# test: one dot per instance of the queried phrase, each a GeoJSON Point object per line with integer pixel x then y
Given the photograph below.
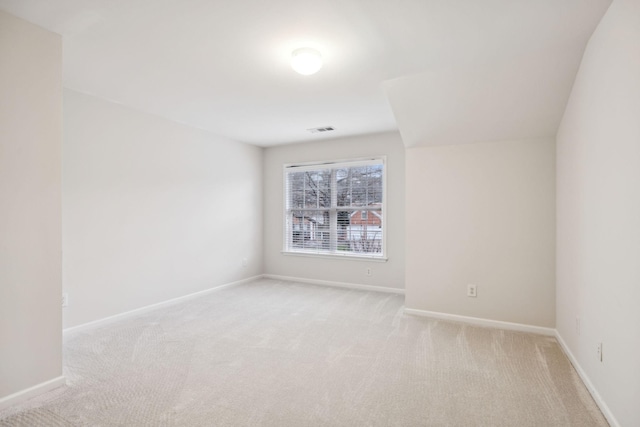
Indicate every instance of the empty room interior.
{"type": "Point", "coordinates": [306, 213]}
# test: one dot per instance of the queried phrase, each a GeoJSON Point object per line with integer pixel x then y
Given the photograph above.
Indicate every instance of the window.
{"type": "Point", "coordinates": [335, 208]}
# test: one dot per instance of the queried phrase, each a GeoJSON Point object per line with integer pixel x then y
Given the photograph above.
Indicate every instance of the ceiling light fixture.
{"type": "Point", "coordinates": [306, 61]}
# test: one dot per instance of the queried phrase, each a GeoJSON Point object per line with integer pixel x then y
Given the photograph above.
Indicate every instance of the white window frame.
{"type": "Point", "coordinates": [287, 248]}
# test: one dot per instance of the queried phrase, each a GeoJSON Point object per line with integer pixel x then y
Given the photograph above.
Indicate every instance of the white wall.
{"type": "Point", "coordinates": [388, 274]}
{"type": "Point", "coordinates": [30, 205]}
{"type": "Point", "coordinates": [599, 213]}
{"type": "Point", "coordinates": [152, 209]}
{"type": "Point", "coordinates": [482, 214]}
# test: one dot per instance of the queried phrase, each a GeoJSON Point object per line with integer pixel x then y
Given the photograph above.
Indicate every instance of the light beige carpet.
{"type": "Point", "coordinates": [274, 353]}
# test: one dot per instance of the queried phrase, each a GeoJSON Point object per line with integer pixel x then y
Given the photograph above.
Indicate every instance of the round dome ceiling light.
{"type": "Point", "coordinates": [306, 61]}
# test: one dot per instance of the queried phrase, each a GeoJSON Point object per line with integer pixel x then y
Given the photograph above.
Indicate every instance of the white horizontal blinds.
{"type": "Point", "coordinates": [335, 208]}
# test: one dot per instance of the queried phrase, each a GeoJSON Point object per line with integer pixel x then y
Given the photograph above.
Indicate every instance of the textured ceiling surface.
{"type": "Point", "coordinates": [442, 71]}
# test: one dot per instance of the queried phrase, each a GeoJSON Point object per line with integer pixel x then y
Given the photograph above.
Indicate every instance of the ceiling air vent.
{"type": "Point", "coordinates": [322, 129]}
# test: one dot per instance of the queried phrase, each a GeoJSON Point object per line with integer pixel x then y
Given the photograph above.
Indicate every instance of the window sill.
{"type": "Point", "coordinates": [335, 256]}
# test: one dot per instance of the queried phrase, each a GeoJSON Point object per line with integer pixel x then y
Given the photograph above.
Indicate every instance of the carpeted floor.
{"type": "Point", "coordinates": [273, 353]}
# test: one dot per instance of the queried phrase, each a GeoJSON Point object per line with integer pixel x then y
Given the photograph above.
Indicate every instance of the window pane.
{"type": "Point", "coordinates": [309, 230]}
{"type": "Point", "coordinates": [360, 231]}
{"type": "Point", "coordinates": [311, 189]}
{"type": "Point", "coordinates": [343, 187]}
{"type": "Point", "coordinates": [295, 189]}
{"type": "Point", "coordinates": [359, 186]}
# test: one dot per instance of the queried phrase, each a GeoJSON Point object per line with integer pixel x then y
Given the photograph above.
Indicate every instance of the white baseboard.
{"type": "Point", "coordinates": [336, 284]}
{"type": "Point", "coordinates": [141, 310]}
{"type": "Point", "coordinates": [587, 382]}
{"type": "Point", "coordinates": [483, 322]}
{"type": "Point", "coordinates": [26, 394]}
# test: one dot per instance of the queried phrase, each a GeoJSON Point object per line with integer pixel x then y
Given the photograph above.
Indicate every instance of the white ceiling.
{"type": "Point", "coordinates": [453, 70]}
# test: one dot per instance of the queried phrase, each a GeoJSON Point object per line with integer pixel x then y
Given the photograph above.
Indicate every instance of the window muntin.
{"type": "Point", "coordinates": [335, 208]}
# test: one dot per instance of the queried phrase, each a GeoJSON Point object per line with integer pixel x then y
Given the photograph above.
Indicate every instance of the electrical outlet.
{"type": "Point", "coordinates": [65, 299]}
{"type": "Point", "coordinates": [599, 351]}
{"type": "Point", "coordinates": [472, 291]}
{"type": "Point", "coordinates": [245, 262]}
{"type": "Point", "coordinates": [369, 271]}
